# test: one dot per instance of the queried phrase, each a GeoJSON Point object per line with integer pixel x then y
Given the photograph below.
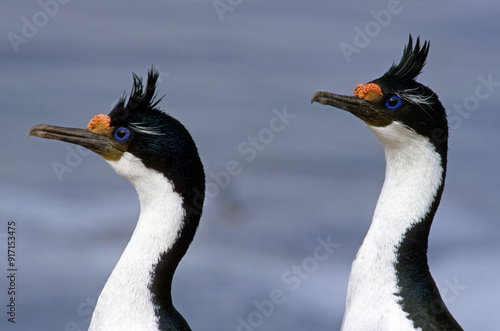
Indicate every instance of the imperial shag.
{"type": "Point", "coordinates": [158, 156]}
{"type": "Point", "coordinates": [390, 285]}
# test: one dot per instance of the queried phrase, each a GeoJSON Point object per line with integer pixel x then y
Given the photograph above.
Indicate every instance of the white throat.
{"type": "Point", "coordinates": [412, 179]}
{"type": "Point", "coordinates": [125, 302]}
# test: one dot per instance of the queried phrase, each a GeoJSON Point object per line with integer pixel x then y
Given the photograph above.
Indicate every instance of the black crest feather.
{"type": "Point", "coordinates": [411, 64]}
{"type": "Point", "coordinates": [142, 97]}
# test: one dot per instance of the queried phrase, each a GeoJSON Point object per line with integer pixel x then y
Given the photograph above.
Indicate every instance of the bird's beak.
{"type": "Point", "coordinates": [365, 110]}
{"type": "Point", "coordinates": [102, 144]}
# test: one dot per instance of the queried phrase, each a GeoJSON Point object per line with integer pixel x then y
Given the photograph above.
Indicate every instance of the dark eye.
{"type": "Point", "coordinates": [393, 102]}
{"type": "Point", "coordinates": [122, 134]}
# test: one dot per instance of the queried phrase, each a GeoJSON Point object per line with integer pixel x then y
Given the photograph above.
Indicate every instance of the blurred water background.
{"type": "Point", "coordinates": [227, 69]}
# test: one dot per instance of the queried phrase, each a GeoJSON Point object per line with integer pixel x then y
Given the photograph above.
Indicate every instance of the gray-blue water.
{"type": "Point", "coordinates": [227, 69]}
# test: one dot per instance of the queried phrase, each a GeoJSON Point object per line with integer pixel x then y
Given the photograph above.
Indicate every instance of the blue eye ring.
{"type": "Point", "coordinates": [393, 102]}
{"type": "Point", "coordinates": [121, 134]}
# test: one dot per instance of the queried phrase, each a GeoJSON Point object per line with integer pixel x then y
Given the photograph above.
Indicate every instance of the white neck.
{"type": "Point", "coordinates": [413, 177]}
{"type": "Point", "coordinates": [125, 302]}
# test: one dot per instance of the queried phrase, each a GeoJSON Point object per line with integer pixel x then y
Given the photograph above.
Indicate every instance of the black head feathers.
{"type": "Point", "coordinates": [411, 64]}
{"type": "Point", "coordinates": [141, 97]}
{"type": "Point", "coordinates": [160, 141]}
{"type": "Point", "coordinates": [141, 105]}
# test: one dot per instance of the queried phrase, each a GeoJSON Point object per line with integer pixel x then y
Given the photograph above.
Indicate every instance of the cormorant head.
{"type": "Point", "coordinates": [136, 127]}
{"type": "Point", "coordinates": [397, 97]}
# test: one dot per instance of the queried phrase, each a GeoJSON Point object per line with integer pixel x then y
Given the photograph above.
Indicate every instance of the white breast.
{"type": "Point", "coordinates": [125, 302]}
{"type": "Point", "coordinates": [413, 176]}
